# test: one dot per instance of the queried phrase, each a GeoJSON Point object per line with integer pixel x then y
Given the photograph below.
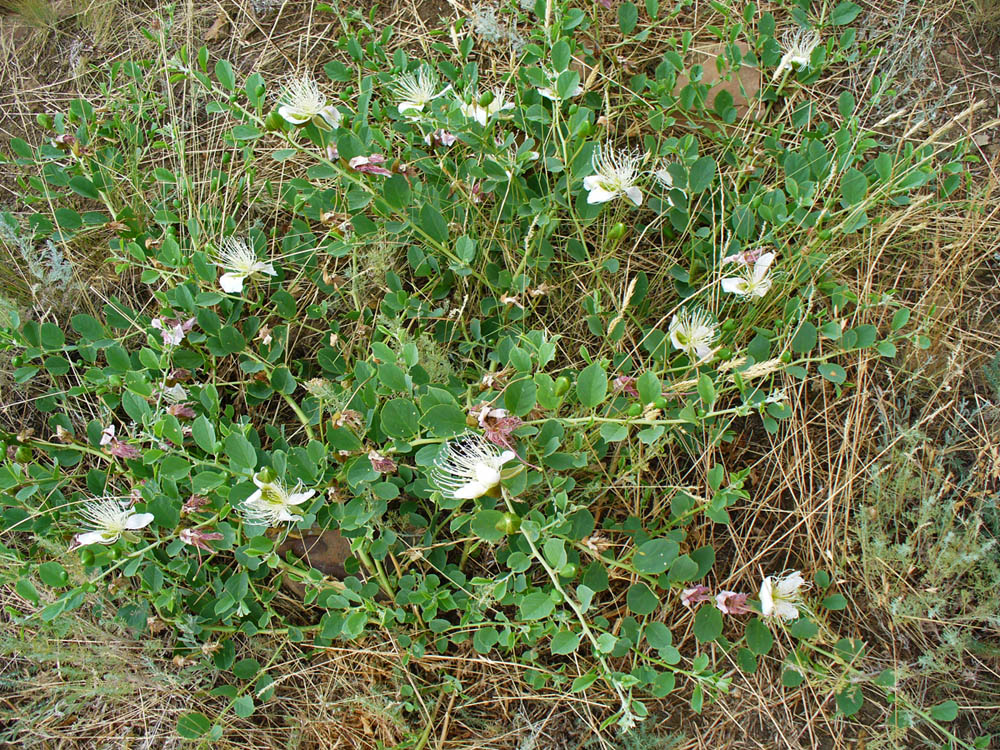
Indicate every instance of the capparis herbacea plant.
{"type": "Point", "coordinates": [495, 330]}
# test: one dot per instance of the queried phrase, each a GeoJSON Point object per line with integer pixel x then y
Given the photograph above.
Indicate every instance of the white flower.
{"type": "Point", "coordinates": [551, 91]}
{"type": "Point", "coordinates": [416, 91]}
{"type": "Point", "coordinates": [469, 467]}
{"type": "Point", "coordinates": [271, 503]}
{"type": "Point", "coordinates": [240, 261]}
{"type": "Point", "coordinates": [780, 597]}
{"type": "Point", "coordinates": [616, 174]}
{"type": "Point", "coordinates": [753, 282]}
{"type": "Point", "coordinates": [798, 45]}
{"type": "Point", "coordinates": [302, 102]}
{"type": "Point", "coordinates": [109, 518]}
{"type": "Point", "coordinates": [693, 332]}
{"type": "Point", "coordinates": [482, 113]}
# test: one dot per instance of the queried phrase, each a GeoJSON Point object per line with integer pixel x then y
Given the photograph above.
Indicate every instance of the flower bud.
{"type": "Point", "coordinates": [616, 232]}
{"type": "Point", "coordinates": [486, 99]}
{"type": "Point", "coordinates": [274, 121]}
{"type": "Point", "coordinates": [562, 385]}
{"type": "Point", "coordinates": [509, 524]}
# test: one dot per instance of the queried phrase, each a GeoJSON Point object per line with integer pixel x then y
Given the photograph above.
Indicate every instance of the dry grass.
{"type": "Point", "coordinates": [94, 686]}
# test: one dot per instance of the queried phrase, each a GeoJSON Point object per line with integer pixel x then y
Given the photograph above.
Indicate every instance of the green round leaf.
{"type": "Point", "coordinates": [947, 711]}
{"type": "Point", "coordinates": [592, 385]}
{"type": "Point", "coordinates": [536, 605]}
{"type": "Point", "coordinates": [654, 557]}
{"type": "Point", "coordinates": [833, 373]}
{"type": "Point", "coordinates": [759, 637]}
{"type": "Point", "coordinates": [641, 600]}
{"type": "Point", "coordinates": [564, 642]}
{"type": "Point", "coordinates": [194, 725]}
{"type": "Point", "coordinates": [400, 418]}
{"type": "Point", "coordinates": [707, 624]}
{"type": "Point", "coordinates": [484, 525]}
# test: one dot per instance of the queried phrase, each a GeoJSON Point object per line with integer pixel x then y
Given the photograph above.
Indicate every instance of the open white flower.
{"type": "Point", "coordinates": [469, 467]}
{"type": "Point", "coordinates": [752, 282]}
{"type": "Point", "coordinates": [416, 90]}
{"type": "Point", "coordinates": [615, 175]}
{"type": "Point", "coordinates": [482, 113]}
{"type": "Point", "coordinates": [693, 332]}
{"type": "Point", "coordinates": [798, 45]}
{"type": "Point", "coordinates": [109, 518]}
{"type": "Point", "coordinates": [240, 262]}
{"type": "Point", "coordinates": [271, 504]}
{"type": "Point", "coordinates": [302, 102]}
{"type": "Point", "coordinates": [780, 596]}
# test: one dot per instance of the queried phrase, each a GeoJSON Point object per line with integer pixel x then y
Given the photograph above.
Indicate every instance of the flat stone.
{"type": "Point", "coordinates": [746, 79]}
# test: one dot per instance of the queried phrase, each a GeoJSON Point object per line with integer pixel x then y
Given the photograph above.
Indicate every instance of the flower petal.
{"type": "Point", "coordinates": [506, 456]}
{"type": "Point", "coordinates": [470, 491]}
{"type": "Point", "coordinates": [138, 521]}
{"type": "Point", "coordinates": [405, 107]}
{"type": "Point", "coordinates": [762, 287]}
{"type": "Point", "coordinates": [734, 285]}
{"type": "Point", "coordinates": [762, 264]}
{"type": "Point", "coordinates": [298, 498]}
{"type": "Point", "coordinates": [95, 537]}
{"type": "Point", "coordinates": [231, 283]}
{"type": "Point", "coordinates": [598, 194]}
{"type": "Point", "coordinates": [634, 194]}
{"type": "Point", "coordinates": [330, 115]}
{"type": "Point", "coordinates": [766, 598]}
{"type": "Point", "coordinates": [293, 115]}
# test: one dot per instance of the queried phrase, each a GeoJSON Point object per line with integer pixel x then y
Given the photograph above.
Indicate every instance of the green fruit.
{"type": "Point", "coordinates": [509, 524]}
{"type": "Point", "coordinates": [562, 385]}
{"type": "Point", "coordinates": [87, 556]}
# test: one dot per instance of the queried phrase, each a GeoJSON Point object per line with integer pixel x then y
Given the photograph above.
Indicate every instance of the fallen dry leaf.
{"type": "Point", "coordinates": [216, 28]}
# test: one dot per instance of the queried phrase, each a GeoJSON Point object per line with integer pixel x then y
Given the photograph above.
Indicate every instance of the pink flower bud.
{"type": "Point", "coordinates": [694, 596]}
